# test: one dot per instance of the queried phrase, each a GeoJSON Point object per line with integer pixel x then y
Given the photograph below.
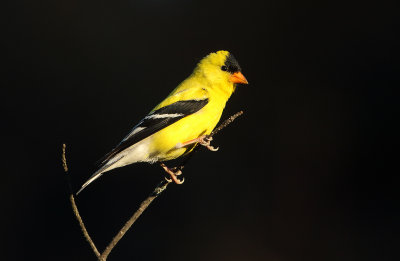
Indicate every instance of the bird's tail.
{"type": "Point", "coordinates": [95, 176]}
{"type": "Point", "coordinates": [108, 165]}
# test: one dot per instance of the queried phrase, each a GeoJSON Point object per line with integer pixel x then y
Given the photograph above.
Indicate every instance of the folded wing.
{"type": "Point", "coordinates": [155, 121]}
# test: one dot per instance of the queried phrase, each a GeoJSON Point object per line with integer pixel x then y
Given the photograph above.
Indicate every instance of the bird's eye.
{"type": "Point", "coordinates": [224, 68]}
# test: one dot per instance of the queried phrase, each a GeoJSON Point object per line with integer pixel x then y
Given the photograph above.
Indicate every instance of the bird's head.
{"type": "Point", "coordinates": [221, 67]}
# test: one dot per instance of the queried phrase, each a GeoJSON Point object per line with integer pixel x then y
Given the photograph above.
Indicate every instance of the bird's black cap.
{"type": "Point", "coordinates": [232, 65]}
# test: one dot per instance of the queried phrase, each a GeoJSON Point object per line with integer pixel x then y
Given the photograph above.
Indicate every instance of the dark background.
{"type": "Point", "coordinates": [308, 173]}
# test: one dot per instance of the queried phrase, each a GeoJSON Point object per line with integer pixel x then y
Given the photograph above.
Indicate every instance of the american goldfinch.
{"type": "Point", "coordinates": [182, 121]}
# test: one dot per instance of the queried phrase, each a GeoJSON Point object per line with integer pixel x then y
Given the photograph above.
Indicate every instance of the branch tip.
{"type": "Point", "coordinates": [63, 158]}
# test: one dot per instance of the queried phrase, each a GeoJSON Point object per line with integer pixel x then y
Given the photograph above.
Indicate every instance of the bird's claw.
{"type": "Point", "coordinates": [174, 172]}
{"type": "Point", "coordinates": [209, 147]}
{"type": "Point", "coordinates": [205, 141]}
{"type": "Point", "coordinates": [177, 171]}
{"type": "Point", "coordinates": [177, 181]}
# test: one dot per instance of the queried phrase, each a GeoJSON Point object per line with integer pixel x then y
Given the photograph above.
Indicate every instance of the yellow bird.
{"type": "Point", "coordinates": [183, 120]}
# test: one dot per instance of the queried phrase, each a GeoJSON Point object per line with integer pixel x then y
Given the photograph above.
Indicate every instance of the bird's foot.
{"type": "Point", "coordinates": [177, 170]}
{"type": "Point", "coordinates": [203, 140]}
{"type": "Point", "coordinates": [173, 172]}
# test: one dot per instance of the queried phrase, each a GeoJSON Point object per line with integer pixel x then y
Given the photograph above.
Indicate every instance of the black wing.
{"type": "Point", "coordinates": [156, 121]}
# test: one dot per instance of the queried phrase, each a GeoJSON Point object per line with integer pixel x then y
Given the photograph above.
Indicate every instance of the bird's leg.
{"type": "Point", "coordinates": [173, 172]}
{"type": "Point", "coordinates": [203, 140]}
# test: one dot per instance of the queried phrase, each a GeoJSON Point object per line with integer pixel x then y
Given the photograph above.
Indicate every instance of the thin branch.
{"type": "Point", "coordinates": [75, 208]}
{"type": "Point", "coordinates": [143, 206]}
{"type": "Point", "coordinates": [226, 123]}
{"type": "Point", "coordinates": [157, 191]}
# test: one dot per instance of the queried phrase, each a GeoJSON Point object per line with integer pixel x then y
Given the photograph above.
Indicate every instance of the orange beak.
{"type": "Point", "coordinates": [238, 77]}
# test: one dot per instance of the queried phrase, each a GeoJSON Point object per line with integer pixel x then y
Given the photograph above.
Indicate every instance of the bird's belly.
{"type": "Point", "coordinates": [164, 142]}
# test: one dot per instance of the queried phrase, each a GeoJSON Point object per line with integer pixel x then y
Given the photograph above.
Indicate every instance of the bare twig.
{"type": "Point", "coordinates": [157, 191]}
{"type": "Point", "coordinates": [226, 123]}
{"type": "Point", "coordinates": [143, 206]}
{"type": "Point", "coordinates": [75, 208]}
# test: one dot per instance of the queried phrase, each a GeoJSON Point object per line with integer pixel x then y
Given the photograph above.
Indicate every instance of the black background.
{"type": "Point", "coordinates": [308, 173]}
